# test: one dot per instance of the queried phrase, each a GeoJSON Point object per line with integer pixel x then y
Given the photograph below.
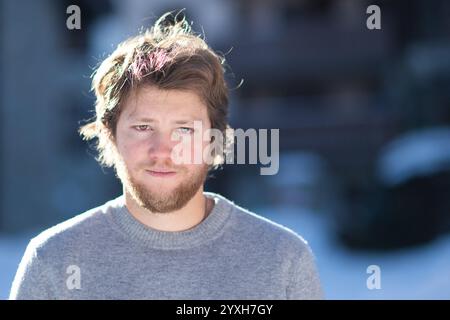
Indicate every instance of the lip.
{"type": "Point", "coordinates": [161, 174]}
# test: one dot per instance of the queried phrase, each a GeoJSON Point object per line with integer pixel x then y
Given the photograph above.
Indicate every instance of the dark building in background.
{"type": "Point", "coordinates": [47, 173]}
{"type": "Point", "coordinates": [338, 92]}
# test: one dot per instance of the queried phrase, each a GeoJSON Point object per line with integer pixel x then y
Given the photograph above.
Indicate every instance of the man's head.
{"type": "Point", "coordinates": [150, 89]}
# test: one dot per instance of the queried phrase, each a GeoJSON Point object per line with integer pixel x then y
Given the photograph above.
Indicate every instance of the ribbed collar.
{"type": "Point", "coordinates": [208, 229]}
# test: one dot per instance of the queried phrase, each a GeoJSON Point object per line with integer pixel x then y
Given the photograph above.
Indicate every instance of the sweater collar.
{"type": "Point", "coordinates": [210, 228]}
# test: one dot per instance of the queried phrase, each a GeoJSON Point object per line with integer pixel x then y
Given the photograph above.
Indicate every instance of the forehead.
{"type": "Point", "coordinates": [149, 101]}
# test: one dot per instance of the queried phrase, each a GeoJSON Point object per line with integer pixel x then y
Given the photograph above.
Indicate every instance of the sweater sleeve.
{"type": "Point", "coordinates": [32, 280]}
{"type": "Point", "coordinates": [304, 281]}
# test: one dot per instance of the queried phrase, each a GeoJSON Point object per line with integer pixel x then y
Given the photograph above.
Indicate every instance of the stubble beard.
{"type": "Point", "coordinates": [163, 201]}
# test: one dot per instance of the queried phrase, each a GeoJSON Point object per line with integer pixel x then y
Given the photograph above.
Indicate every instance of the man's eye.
{"type": "Point", "coordinates": [185, 130]}
{"type": "Point", "coordinates": [142, 127]}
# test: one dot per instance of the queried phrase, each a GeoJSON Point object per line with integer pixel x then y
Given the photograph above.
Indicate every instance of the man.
{"type": "Point", "coordinates": [164, 238]}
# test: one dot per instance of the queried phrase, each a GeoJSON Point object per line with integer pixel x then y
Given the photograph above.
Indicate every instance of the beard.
{"type": "Point", "coordinates": [157, 200]}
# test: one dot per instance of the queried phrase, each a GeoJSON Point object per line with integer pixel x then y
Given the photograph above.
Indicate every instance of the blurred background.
{"type": "Point", "coordinates": [364, 119]}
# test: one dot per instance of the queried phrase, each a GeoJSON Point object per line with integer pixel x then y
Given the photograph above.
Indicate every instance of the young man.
{"type": "Point", "coordinates": [164, 238]}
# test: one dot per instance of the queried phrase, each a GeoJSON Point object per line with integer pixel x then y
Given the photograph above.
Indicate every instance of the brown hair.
{"type": "Point", "coordinates": [168, 56]}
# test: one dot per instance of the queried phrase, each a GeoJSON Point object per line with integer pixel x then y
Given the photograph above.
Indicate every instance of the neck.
{"type": "Point", "coordinates": [192, 214]}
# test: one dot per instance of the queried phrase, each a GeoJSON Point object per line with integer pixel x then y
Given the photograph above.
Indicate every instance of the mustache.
{"type": "Point", "coordinates": [166, 165]}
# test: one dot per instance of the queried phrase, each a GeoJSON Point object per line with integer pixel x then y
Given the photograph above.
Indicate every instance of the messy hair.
{"type": "Point", "coordinates": [168, 56]}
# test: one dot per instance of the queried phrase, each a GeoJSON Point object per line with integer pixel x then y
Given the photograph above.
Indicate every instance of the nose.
{"type": "Point", "coordinates": [161, 146]}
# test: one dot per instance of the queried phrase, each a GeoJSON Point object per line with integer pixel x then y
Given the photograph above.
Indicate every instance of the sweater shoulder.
{"type": "Point", "coordinates": [83, 227]}
{"type": "Point", "coordinates": [266, 231]}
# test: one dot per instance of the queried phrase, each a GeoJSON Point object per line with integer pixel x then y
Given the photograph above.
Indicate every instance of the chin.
{"type": "Point", "coordinates": [159, 188]}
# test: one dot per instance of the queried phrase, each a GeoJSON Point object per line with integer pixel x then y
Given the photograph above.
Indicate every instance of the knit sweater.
{"type": "Point", "coordinates": [105, 253]}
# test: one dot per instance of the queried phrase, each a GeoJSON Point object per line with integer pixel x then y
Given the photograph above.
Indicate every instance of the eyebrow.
{"type": "Point", "coordinates": [151, 120]}
{"type": "Point", "coordinates": [141, 119]}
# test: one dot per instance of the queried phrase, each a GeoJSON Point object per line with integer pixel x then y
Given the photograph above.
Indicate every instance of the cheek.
{"type": "Point", "coordinates": [191, 171]}
{"type": "Point", "coordinates": [188, 152]}
{"type": "Point", "coordinates": [198, 151]}
{"type": "Point", "coordinates": [129, 149]}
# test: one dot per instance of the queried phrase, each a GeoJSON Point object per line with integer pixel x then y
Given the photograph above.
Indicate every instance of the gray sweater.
{"type": "Point", "coordinates": [105, 253]}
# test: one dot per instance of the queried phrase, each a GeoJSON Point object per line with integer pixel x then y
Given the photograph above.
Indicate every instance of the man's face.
{"type": "Point", "coordinates": [145, 132]}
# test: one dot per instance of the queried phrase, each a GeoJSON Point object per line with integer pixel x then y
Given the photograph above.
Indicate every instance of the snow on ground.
{"type": "Point", "coordinates": [417, 273]}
